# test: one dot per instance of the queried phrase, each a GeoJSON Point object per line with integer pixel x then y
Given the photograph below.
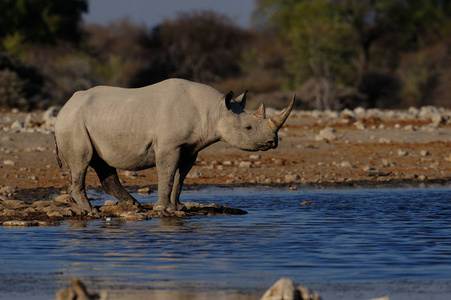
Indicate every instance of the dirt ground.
{"type": "Point", "coordinates": [360, 147]}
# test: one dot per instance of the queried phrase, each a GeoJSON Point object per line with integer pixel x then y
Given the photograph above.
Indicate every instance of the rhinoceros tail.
{"type": "Point", "coordinates": [57, 153]}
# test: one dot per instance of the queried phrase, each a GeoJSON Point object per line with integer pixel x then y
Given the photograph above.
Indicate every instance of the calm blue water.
{"type": "Point", "coordinates": [347, 235]}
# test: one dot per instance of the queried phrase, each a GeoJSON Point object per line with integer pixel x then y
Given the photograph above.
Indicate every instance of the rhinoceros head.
{"type": "Point", "coordinates": [250, 131]}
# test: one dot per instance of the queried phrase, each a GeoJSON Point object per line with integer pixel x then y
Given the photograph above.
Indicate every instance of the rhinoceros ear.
{"type": "Point", "coordinates": [228, 98]}
{"type": "Point", "coordinates": [241, 99]}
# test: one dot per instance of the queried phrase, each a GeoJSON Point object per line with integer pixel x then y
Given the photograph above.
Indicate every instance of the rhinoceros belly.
{"type": "Point", "coordinates": [125, 152]}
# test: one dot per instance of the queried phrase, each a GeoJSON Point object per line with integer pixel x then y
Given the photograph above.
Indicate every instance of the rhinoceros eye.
{"type": "Point", "coordinates": [248, 127]}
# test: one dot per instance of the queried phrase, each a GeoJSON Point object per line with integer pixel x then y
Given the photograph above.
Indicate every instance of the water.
{"type": "Point", "coordinates": [376, 236]}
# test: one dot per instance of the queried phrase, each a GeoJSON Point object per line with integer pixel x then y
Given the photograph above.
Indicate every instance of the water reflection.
{"type": "Point", "coordinates": [345, 235]}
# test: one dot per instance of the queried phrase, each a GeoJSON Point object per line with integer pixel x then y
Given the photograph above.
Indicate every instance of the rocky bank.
{"type": "Point", "coordinates": [349, 147]}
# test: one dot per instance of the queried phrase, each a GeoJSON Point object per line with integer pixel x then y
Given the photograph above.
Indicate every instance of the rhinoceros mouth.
{"type": "Point", "coordinates": [269, 145]}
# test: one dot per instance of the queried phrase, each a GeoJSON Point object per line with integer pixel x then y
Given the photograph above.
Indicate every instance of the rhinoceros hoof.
{"type": "Point", "coordinates": [169, 207]}
{"type": "Point", "coordinates": [159, 207]}
{"type": "Point", "coordinates": [178, 207]}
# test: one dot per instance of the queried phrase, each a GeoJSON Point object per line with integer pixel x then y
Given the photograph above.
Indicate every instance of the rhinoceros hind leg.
{"type": "Point", "coordinates": [110, 181]}
{"type": "Point", "coordinates": [77, 187]}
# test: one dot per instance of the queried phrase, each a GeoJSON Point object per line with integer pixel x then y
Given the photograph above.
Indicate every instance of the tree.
{"type": "Point", "coordinates": [43, 21]}
{"type": "Point", "coordinates": [314, 31]}
{"type": "Point", "coordinates": [347, 40]}
{"type": "Point", "coordinates": [203, 46]}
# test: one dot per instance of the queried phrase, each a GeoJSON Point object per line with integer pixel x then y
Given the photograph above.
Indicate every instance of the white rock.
{"type": "Point", "coordinates": [328, 133]}
{"type": "Point", "coordinates": [346, 164]}
{"type": "Point", "coordinates": [424, 152]}
{"type": "Point", "coordinates": [402, 152]}
{"type": "Point", "coordinates": [130, 174]}
{"type": "Point", "coordinates": [66, 198]}
{"type": "Point", "coordinates": [245, 164]}
{"type": "Point", "coordinates": [285, 289]}
{"type": "Point", "coordinates": [49, 116]}
{"type": "Point", "coordinates": [255, 156]}
{"type": "Point", "coordinates": [194, 174]}
{"type": "Point", "coordinates": [384, 141]}
{"type": "Point", "coordinates": [110, 202]}
{"type": "Point", "coordinates": [292, 177]}
{"type": "Point", "coordinates": [144, 191]}
{"type": "Point", "coordinates": [410, 128]}
{"type": "Point", "coordinates": [31, 120]}
{"type": "Point", "coordinates": [359, 111]}
{"type": "Point", "coordinates": [360, 125]}
{"type": "Point", "coordinates": [438, 120]}
{"type": "Point", "coordinates": [9, 162]}
{"type": "Point", "coordinates": [8, 190]}
{"type": "Point", "coordinates": [348, 112]}
{"type": "Point", "coordinates": [17, 126]}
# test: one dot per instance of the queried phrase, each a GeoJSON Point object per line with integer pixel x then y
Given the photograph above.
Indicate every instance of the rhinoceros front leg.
{"type": "Point", "coordinates": [167, 164]}
{"type": "Point", "coordinates": [185, 165]}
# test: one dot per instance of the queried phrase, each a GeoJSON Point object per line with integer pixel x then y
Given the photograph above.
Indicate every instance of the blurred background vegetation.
{"type": "Point", "coordinates": [332, 53]}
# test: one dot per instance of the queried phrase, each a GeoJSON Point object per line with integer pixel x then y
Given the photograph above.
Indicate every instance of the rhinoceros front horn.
{"type": "Point", "coordinates": [277, 121]}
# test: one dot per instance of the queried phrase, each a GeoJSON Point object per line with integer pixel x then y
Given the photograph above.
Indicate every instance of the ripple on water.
{"type": "Point", "coordinates": [347, 234]}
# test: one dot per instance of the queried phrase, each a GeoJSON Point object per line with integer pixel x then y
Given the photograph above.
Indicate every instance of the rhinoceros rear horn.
{"type": "Point", "coordinates": [277, 121]}
{"type": "Point", "coordinates": [260, 112]}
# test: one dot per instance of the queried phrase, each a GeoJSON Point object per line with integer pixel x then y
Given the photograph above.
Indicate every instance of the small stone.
{"type": "Point", "coordinates": [17, 125]}
{"type": "Point", "coordinates": [144, 191]}
{"type": "Point", "coordinates": [255, 156]}
{"type": "Point", "coordinates": [438, 120]}
{"type": "Point", "coordinates": [360, 125]}
{"type": "Point", "coordinates": [15, 223]}
{"type": "Point", "coordinates": [13, 204]}
{"type": "Point", "coordinates": [410, 128]}
{"type": "Point", "coordinates": [402, 152]}
{"type": "Point", "coordinates": [245, 164]}
{"type": "Point", "coordinates": [194, 175]}
{"type": "Point", "coordinates": [384, 141]}
{"type": "Point", "coordinates": [129, 215]}
{"type": "Point", "coordinates": [54, 214]}
{"type": "Point", "coordinates": [64, 198]}
{"type": "Point", "coordinates": [179, 213]}
{"type": "Point", "coordinates": [292, 177]}
{"type": "Point", "coordinates": [285, 288]}
{"type": "Point", "coordinates": [327, 133]}
{"type": "Point", "coordinates": [9, 162]}
{"type": "Point", "coordinates": [424, 152]}
{"type": "Point", "coordinates": [8, 190]}
{"type": "Point", "coordinates": [110, 202]}
{"type": "Point", "coordinates": [388, 163]}
{"type": "Point", "coordinates": [130, 174]}
{"type": "Point", "coordinates": [346, 164]}
{"type": "Point", "coordinates": [422, 177]}
{"type": "Point", "coordinates": [267, 181]}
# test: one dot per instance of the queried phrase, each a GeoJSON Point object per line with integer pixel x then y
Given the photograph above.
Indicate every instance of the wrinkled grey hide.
{"type": "Point", "coordinates": [163, 125]}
